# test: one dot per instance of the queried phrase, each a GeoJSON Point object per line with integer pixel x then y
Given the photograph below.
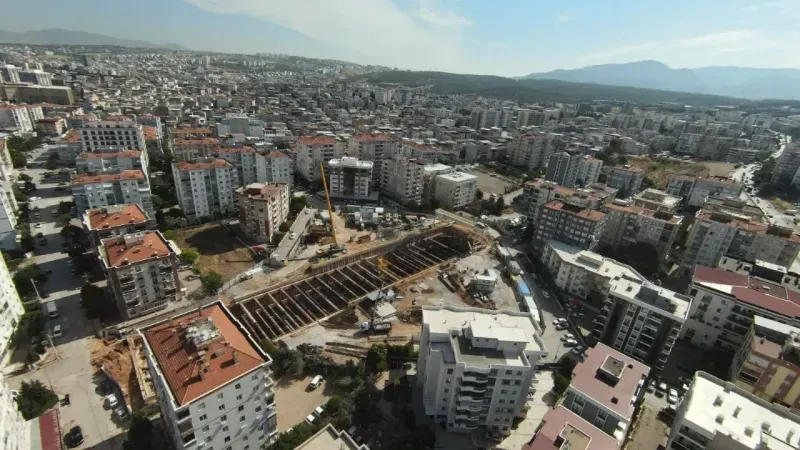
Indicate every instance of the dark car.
{"type": "Point", "coordinates": [105, 388]}
{"type": "Point", "coordinates": [74, 438]}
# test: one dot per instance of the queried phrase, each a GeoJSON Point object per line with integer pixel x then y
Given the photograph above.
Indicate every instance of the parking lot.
{"type": "Point", "coordinates": [297, 400]}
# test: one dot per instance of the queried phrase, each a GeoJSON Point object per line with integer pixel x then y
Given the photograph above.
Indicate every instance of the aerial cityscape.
{"type": "Point", "coordinates": [230, 251]}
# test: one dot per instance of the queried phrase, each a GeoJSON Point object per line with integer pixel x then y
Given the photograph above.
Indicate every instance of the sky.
{"type": "Point", "coordinates": [498, 37]}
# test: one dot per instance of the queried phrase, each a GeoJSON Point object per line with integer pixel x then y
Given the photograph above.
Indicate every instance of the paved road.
{"type": "Point", "coordinates": [71, 373]}
{"type": "Point", "coordinates": [745, 174]}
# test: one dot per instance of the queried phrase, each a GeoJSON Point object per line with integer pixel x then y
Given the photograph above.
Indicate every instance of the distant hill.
{"type": "Point", "coordinates": [744, 82]}
{"type": "Point", "coordinates": [534, 90]}
{"type": "Point", "coordinates": [66, 37]}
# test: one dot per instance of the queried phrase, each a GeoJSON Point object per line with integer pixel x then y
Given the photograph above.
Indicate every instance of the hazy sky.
{"type": "Point", "coordinates": [502, 37]}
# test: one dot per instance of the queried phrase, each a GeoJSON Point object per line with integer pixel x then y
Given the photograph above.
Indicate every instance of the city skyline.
{"type": "Point", "coordinates": [448, 35]}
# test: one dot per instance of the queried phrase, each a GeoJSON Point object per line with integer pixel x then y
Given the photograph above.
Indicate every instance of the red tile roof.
{"type": "Point", "coordinates": [755, 291]}
{"type": "Point", "coordinates": [150, 133]}
{"type": "Point", "coordinates": [586, 380]}
{"type": "Point", "coordinates": [107, 178]}
{"type": "Point", "coordinates": [276, 155]}
{"type": "Point", "coordinates": [180, 362]}
{"type": "Point", "coordinates": [72, 136]}
{"type": "Point", "coordinates": [112, 217]}
{"type": "Point", "coordinates": [120, 154]}
{"type": "Point", "coordinates": [191, 131]}
{"type": "Point", "coordinates": [580, 212]}
{"type": "Point", "coordinates": [203, 141]}
{"type": "Point", "coordinates": [553, 424]}
{"type": "Point", "coordinates": [243, 149]}
{"type": "Point", "coordinates": [217, 163]}
{"type": "Point", "coordinates": [420, 147]}
{"type": "Point", "coordinates": [371, 137]}
{"type": "Point", "coordinates": [49, 431]}
{"type": "Point", "coordinates": [316, 140]}
{"type": "Point", "coordinates": [152, 245]}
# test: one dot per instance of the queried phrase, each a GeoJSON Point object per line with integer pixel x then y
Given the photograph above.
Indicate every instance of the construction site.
{"type": "Point", "coordinates": [326, 289]}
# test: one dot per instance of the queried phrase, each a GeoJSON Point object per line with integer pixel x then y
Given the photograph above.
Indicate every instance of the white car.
{"type": "Point", "coordinates": [292, 235]}
{"type": "Point", "coordinates": [38, 225]}
{"type": "Point", "coordinates": [112, 401]}
{"type": "Point", "coordinates": [570, 343]}
{"type": "Point", "coordinates": [562, 326]}
{"type": "Point", "coordinates": [57, 331]}
{"type": "Point", "coordinates": [672, 398]}
{"type": "Point", "coordinates": [318, 411]}
{"type": "Point", "coordinates": [316, 382]}
{"type": "Point", "coordinates": [567, 336]}
{"type": "Point", "coordinates": [33, 199]}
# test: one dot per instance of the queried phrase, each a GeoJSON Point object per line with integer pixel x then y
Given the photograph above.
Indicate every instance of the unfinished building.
{"type": "Point", "coordinates": [328, 288]}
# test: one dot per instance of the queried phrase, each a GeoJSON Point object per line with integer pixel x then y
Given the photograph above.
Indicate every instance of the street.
{"type": "Point", "coordinates": [71, 372]}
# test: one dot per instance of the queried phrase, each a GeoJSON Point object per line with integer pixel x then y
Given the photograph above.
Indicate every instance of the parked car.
{"type": "Point", "coordinates": [57, 331]}
{"type": "Point", "coordinates": [121, 414]}
{"type": "Point", "coordinates": [111, 401]}
{"type": "Point", "coordinates": [74, 437]}
{"type": "Point", "coordinates": [310, 419]}
{"type": "Point", "coordinates": [562, 326]}
{"type": "Point", "coordinates": [318, 411]}
{"type": "Point", "coordinates": [559, 320]}
{"type": "Point", "coordinates": [567, 337]}
{"type": "Point", "coordinates": [105, 388]}
{"type": "Point", "coordinates": [672, 398]}
{"type": "Point", "coordinates": [570, 343]}
{"type": "Point", "coordinates": [316, 382]}
{"type": "Point", "coordinates": [292, 235]}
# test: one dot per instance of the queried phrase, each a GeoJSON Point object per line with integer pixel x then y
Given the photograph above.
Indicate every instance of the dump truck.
{"type": "Point", "coordinates": [376, 327]}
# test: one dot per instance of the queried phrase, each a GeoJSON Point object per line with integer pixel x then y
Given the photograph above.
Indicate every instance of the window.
{"type": "Point", "coordinates": [225, 428]}
{"type": "Point", "coordinates": [201, 405]}
{"type": "Point", "coordinates": [254, 377]}
{"type": "Point", "coordinates": [449, 371]}
{"type": "Point", "coordinates": [221, 407]}
{"type": "Point", "coordinates": [446, 391]}
{"type": "Point", "coordinates": [241, 407]}
{"type": "Point", "coordinates": [227, 439]}
{"type": "Point", "coordinates": [220, 395]}
{"type": "Point", "coordinates": [206, 428]}
{"type": "Point", "coordinates": [238, 385]}
{"type": "Point", "coordinates": [258, 408]}
{"type": "Point", "coordinates": [203, 417]}
{"type": "Point", "coordinates": [239, 397]}
{"type": "Point", "coordinates": [223, 418]}
{"type": "Point", "coordinates": [242, 419]}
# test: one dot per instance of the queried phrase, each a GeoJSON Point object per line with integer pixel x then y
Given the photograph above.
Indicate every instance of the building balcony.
{"type": "Point", "coordinates": [469, 399]}
{"type": "Point", "coordinates": [269, 383]}
{"type": "Point", "coordinates": [471, 389]}
{"type": "Point", "coordinates": [185, 427]}
{"type": "Point", "coordinates": [469, 406]}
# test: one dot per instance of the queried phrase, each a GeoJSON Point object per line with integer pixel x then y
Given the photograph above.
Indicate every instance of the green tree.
{"type": "Point", "coordinates": [95, 302]}
{"type": "Point", "coordinates": [140, 434]}
{"type": "Point", "coordinates": [189, 256]}
{"type": "Point", "coordinates": [560, 383]}
{"type": "Point", "coordinates": [170, 235]}
{"type": "Point", "coordinates": [212, 282]}
{"type": "Point", "coordinates": [71, 232]}
{"type": "Point", "coordinates": [499, 205]}
{"type": "Point", "coordinates": [479, 194]}
{"type": "Point", "coordinates": [24, 177]}
{"type": "Point", "coordinates": [285, 227]}
{"type": "Point", "coordinates": [34, 399]}
{"type": "Point", "coordinates": [377, 359]}
{"type": "Point", "coordinates": [277, 237]}
{"type": "Point", "coordinates": [365, 402]}
{"type": "Point", "coordinates": [292, 439]}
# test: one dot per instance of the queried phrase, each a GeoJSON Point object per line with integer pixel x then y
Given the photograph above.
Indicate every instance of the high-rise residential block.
{"type": "Point", "coordinates": [569, 223]}
{"type": "Point", "coordinates": [573, 169]}
{"type": "Point", "coordinates": [11, 309]}
{"type": "Point", "coordinates": [627, 179]}
{"type": "Point", "coordinates": [372, 147]}
{"type": "Point", "coordinates": [627, 225]}
{"type": "Point", "coordinates": [656, 200]}
{"type": "Point", "coordinates": [316, 150]}
{"type": "Point", "coordinates": [194, 147]}
{"type": "Point", "coordinates": [108, 161]}
{"type": "Point", "coordinates": [108, 189]}
{"type": "Point", "coordinates": [274, 167]}
{"type": "Point", "coordinates": [262, 209]}
{"type": "Point", "coordinates": [112, 136]}
{"type": "Point", "coordinates": [455, 190]}
{"type": "Point", "coordinates": [238, 123]}
{"type": "Point", "coordinates": [349, 177]}
{"type": "Point", "coordinates": [117, 220]}
{"type": "Point", "coordinates": [205, 187]}
{"type": "Point", "coordinates": [16, 117]}
{"type": "Point", "coordinates": [476, 367]}
{"type": "Point", "coordinates": [142, 272]}
{"type": "Point", "coordinates": [212, 381]}
{"type": "Point", "coordinates": [244, 159]}
{"type": "Point", "coordinates": [402, 178]}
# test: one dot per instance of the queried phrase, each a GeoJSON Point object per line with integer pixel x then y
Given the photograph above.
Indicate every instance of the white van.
{"type": "Point", "coordinates": [52, 310]}
{"type": "Point", "coordinates": [316, 382]}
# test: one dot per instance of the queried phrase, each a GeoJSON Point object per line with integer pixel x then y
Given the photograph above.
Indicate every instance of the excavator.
{"type": "Point", "coordinates": [335, 247]}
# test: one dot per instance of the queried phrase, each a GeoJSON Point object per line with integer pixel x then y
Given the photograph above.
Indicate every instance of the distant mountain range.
{"type": "Point", "coordinates": [67, 37]}
{"type": "Point", "coordinates": [742, 82]}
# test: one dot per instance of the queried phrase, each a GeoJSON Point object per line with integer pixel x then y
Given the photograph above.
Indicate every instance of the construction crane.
{"type": "Point", "coordinates": [373, 325]}
{"type": "Point", "coordinates": [335, 247]}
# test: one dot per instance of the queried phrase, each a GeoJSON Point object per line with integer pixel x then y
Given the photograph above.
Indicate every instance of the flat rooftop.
{"type": "Point", "coordinates": [716, 406]}
{"type": "Point", "coordinates": [748, 289]}
{"type": "Point", "coordinates": [561, 426]}
{"type": "Point", "coordinates": [457, 176]}
{"type": "Point", "coordinates": [200, 351]}
{"type": "Point", "coordinates": [329, 438]}
{"type": "Point", "coordinates": [108, 178]}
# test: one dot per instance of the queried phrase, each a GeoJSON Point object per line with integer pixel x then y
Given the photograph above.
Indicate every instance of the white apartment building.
{"type": "Point", "coordinates": [605, 390]}
{"type": "Point", "coordinates": [476, 367]}
{"type": "Point", "coordinates": [331, 438]}
{"type": "Point", "coordinates": [313, 150]}
{"type": "Point", "coordinates": [117, 220]}
{"type": "Point", "coordinates": [194, 147]}
{"type": "Point", "coordinates": [205, 187]}
{"type": "Point", "coordinates": [112, 135]}
{"type": "Point", "coordinates": [571, 223]}
{"type": "Point", "coordinates": [238, 123]}
{"type": "Point", "coordinates": [724, 304]}
{"type": "Point", "coordinates": [11, 309]}
{"type": "Point", "coordinates": [262, 209]}
{"type": "Point", "coordinates": [455, 190]}
{"type": "Point", "coordinates": [713, 187]}
{"type": "Point", "coordinates": [715, 414]}
{"type": "Point", "coordinates": [349, 177]}
{"type": "Point", "coordinates": [97, 162]}
{"type": "Point", "coordinates": [724, 233]}
{"type": "Point", "coordinates": [372, 147]}
{"type": "Point", "coordinates": [627, 179]}
{"type": "Point", "coordinates": [39, 77]}
{"type": "Point", "coordinates": [15, 432]}
{"type": "Point", "coordinates": [530, 150]}
{"type": "Point", "coordinates": [571, 169]}
{"type": "Point", "coordinates": [16, 117]}
{"type": "Point", "coordinates": [402, 178]}
{"type": "Point", "coordinates": [656, 200]}
{"type": "Point", "coordinates": [274, 167]}
{"type": "Point", "coordinates": [786, 169]}
{"type": "Point", "coordinates": [244, 158]}
{"type": "Point", "coordinates": [8, 203]}
{"type": "Point", "coordinates": [212, 381]}
{"type": "Point", "coordinates": [9, 73]}
{"type": "Point", "coordinates": [99, 191]}
{"type": "Point", "coordinates": [629, 225]}
{"type": "Point", "coordinates": [142, 272]}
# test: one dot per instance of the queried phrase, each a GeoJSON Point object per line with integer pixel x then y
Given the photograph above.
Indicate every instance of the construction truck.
{"type": "Point", "coordinates": [376, 327]}
{"type": "Point", "coordinates": [334, 248]}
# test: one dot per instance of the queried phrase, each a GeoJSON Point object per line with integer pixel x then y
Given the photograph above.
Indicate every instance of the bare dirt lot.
{"type": "Point", "coordinates": [298, 400]}
{"type": "Point", "coordinates": [218, 250]}
{"type": "Point", "coordinates": [660, 170]}
{"type": "Point", "coordinates": [719, 169]}
{"type": "Point", "coordinates": [490, 184]}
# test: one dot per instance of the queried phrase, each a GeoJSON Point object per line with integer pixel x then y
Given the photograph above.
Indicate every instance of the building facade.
{"type": "Point", "coordinates": [112, 136]}
{"type": "Point", "coordinates": [571, 224]}
{"type": "Point", "coordinates": [274, 167]}
{"type": "Point", "coordinates": [627, 179]}
{"type": "Point", "coordinates": [476, 367]}
{"type": "Point", "coordinates": [349, 177]}
{"type": "Point", "coordinates": [403, 178]}
{"type": "Point", "coordinates": [313, 151]}
{"type": "Point", "coordinates": [262, 209]}
{"type": "Point", "coordinates": [456, 189]}
{"type": "Point", "coordinates": [205, 187]}
{"type": "Point", "coordinates": [109, 189]}
{"type": "Point", "coordinates": [627, 225]}
{"type": "Point", "coordinates": [97, 162]}
{"type": "Point", "coordinates": [11, 309]}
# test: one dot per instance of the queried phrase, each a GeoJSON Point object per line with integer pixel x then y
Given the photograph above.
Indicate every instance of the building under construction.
{"type": "Point", "coordinates": [329, 288]}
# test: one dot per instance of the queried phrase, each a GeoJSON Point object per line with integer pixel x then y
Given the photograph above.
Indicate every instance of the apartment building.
{"type": "Point", "coordinates": [606, 389]}
{"type": "Point", "coordinates": [429, 174]}
{"type": "Point", "coordinates": [15, 431]}
{"type": "Point", "coordinates": [456, 189]}
{"type": "Point", "coordinates": [16, 117]}
{"type": "Point", "coordinates": [142, 272]}
{"type": "Point", "coordinates": [11, 309]}
{"type": "Point", "coordinates": [39, 77]}
{"type": "Point", "coordinates": [244, 158]}
{"type": "Point", "coordinates": [741, 155]}
{"type": "Point", "coordinates": [627, 179]}
{"type": "Point", "coordinates": [531, 151]}
{"type": "Point", "coordinates": [569, 223]}
{"type": "Point", "coordinates": [193, 148]}
{"type": "Point", "coordinates": [99, 162]}
{"type": "Point", "coordinates": [723, 233]}
{"type": "Point", "coordinates": [50, 126]}
{"type": "Point", "coordinates": [331, 438]}
{"type": "Point", "coordinates": [724, 304]}
{"type": "Point", "coordinates": [262, 209]}
{"type": "Point", "coordinates": [9, 73]}
{"type": "Point", "coordinates": [205, 187]}
{"type": "Point", "coordinates": [212, 381]}
{"type": "Point", "coordinates": [476, 367]}
{"type": "Point", "coordinates": [372, 147]}
{"type": "Point", "coordinates": [573, 169]}
{"type": "Point", "coordinates": [69, 146]}
{"type": "Point", "coordinates": [656, 200]}
{"type": "Point", "coordinates": [627, 225]}
{"type": "Point", "coordinates": [117, 220]}
{"type": "Point", "coordinates": [713, 187]}
{"type": "Point", "coordinates": [108, 189]}
{"type": "Point", "coordinates": [767, 364]}
{"type": "Point", "coordinates": [785, 171]}
{"type": "Point", "coordinates": [736, 207]}
{"type": "Point", "coordinates": [8, 203]}
{"type": "Point", "coordinates": [715, 414]}
{"type": "Point", "coordinates": [313, 150]}
{"type": "Point", "coordinates": [563, 429]}
{"type": "Point", "coordinates": [238, 123]}
{"type": "Point", "coordinates": [402, 178]}
{"type": "Point", "coordinates": [350, 178]}
{"type": "Point", "coordinates": [112, 136]}
{"type": "Point", "coordinates": [680, 186]}
{"type": "Point", "coordinates": [274, 167]}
